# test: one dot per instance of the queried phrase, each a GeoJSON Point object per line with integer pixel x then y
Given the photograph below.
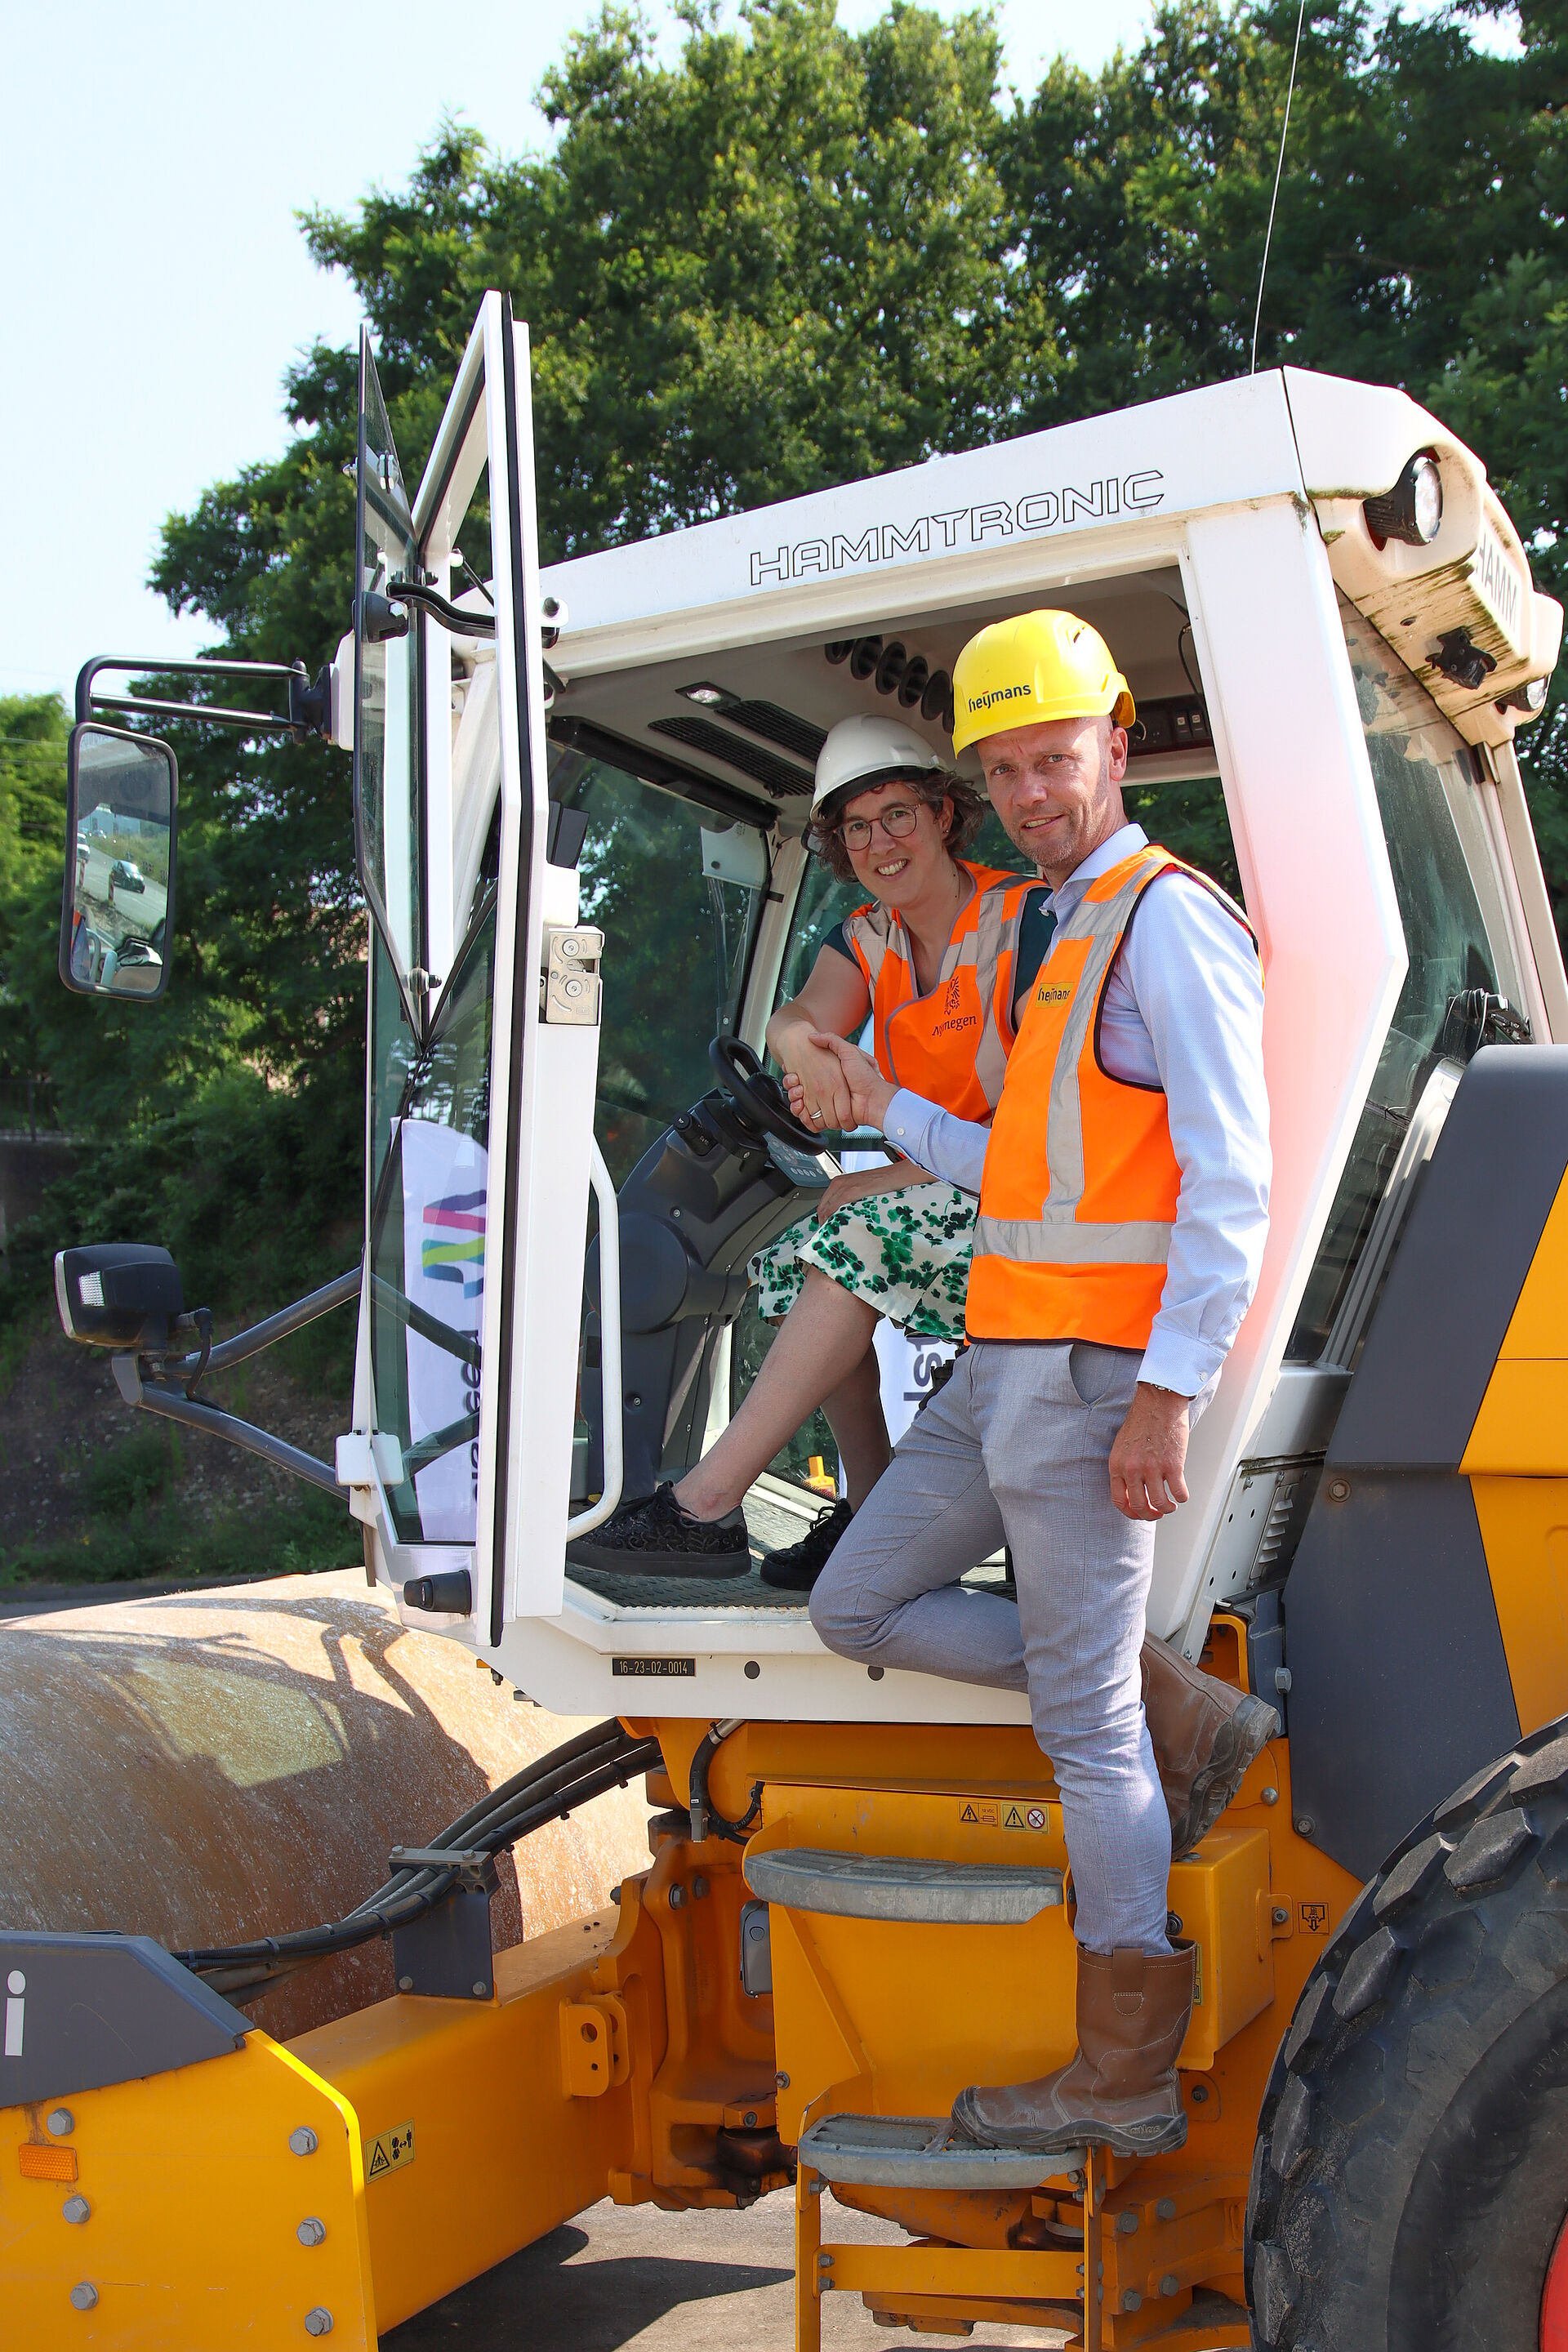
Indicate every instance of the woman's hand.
{"type": "Point", "coordinates": [896, 1177]}
{"type": "Point", "coordinates": [819, 1091]}
{"type": "Point", "coordinates": [869, 1092]}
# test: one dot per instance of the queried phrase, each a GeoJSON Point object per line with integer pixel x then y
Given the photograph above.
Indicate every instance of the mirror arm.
{"type": "Point", "coordinates": [461, 624]}
{"type": "Point", "coordinates": [464, 1345]}
{"type": "Point", "coordinates": [310, 706]}
{"type": "Point", "coordinates": [207, 714]}
{"type": "Point", "coordinates": [191, 1369]}
{"type": "Point", "coordinates": [203, 1318]}
{"type": "Point", "coordinates": [170, 1405]}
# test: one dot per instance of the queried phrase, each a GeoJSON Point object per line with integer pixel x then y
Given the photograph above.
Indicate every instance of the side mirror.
{"type": "Point", "coordinates": [116, 918]}
{"type": "Point", "coordinates": [118, 1295]}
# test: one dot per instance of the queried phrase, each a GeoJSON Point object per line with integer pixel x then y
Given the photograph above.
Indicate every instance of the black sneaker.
{"type": "Point", "coordinates": [797, 1567]}
{"type": "Point", "coordinates": [658, 1537]}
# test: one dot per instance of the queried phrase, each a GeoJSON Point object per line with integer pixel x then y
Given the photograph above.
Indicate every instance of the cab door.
{"type": "Point", "coordinates": [479, 1111]}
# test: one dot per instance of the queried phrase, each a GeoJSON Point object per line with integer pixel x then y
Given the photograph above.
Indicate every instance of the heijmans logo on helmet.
{"type": "Point", "coordinates": [998, 694]}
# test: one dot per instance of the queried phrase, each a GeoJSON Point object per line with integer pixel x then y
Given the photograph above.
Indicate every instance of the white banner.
{"type": "Point", "coordinates": [444, 1178]}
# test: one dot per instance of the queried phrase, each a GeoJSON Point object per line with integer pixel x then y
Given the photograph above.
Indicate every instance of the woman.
{"type": "Point", "coordinates": [938, 957]}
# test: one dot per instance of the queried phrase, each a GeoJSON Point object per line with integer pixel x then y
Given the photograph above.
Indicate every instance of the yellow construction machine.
{"type": "Point", "coordinates": [580, 800]}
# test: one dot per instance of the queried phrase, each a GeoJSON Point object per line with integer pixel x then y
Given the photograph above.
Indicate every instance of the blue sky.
{"type": "Point", "coordinates": [153, 284]}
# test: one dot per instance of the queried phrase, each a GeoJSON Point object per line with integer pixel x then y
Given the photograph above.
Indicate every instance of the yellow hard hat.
{"type": "Point", "coordinates": [1036, 667]}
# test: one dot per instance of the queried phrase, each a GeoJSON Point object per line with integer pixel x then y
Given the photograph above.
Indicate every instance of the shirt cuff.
{"type": "Point", "coordinates": [907, 1117]}
{"type": "Point", "coordinates": [1185, 1366]}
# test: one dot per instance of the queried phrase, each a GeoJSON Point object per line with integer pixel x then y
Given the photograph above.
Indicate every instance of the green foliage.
{"type": "Point", "coordinates": [129, 1474]}
{"type": "Point", "coordinates": [774, 264]}
{"type": "Point", "coordinates": [299, 1537]}
{"type": "Point", "coordinates": [788, 257]}
{"type": "Point", "coordinates": [32, 815]}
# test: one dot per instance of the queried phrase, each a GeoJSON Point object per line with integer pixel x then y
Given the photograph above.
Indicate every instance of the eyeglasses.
{"type": "Point", "coordinates": [897, 822]}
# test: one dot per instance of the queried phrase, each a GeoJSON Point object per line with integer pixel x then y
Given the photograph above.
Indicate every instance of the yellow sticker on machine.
{"type": "Point", "coordinates": [388, 2150]}
{"type": "Point", "coordinates": [975, 1813]}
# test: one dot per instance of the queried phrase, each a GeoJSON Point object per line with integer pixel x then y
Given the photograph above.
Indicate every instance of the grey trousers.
{"type": "Point", "coordinates": [1016, 1446]}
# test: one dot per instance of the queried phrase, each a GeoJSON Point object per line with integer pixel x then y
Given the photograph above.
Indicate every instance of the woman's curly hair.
{"type": "Point", "coordinates": [824, 836]}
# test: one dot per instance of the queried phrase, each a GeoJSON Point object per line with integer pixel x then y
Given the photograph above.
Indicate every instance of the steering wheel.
{"type": "Point", "coordinates": [761, 1098]}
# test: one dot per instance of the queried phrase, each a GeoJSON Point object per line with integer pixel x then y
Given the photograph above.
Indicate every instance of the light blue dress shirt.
{"type": "Point", "coordinates": [1183, 1010]}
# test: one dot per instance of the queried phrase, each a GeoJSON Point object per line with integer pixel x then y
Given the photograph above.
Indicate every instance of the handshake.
{"type": "Point", "coordinates": [837, 1085]}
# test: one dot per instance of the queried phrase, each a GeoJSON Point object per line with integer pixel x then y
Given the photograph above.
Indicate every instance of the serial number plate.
{"type": "Point", "coordinates": [653, 1666]}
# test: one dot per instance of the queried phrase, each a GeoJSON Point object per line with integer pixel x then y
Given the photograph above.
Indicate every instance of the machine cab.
{"type": "Point", "coordinates": [582, 798]}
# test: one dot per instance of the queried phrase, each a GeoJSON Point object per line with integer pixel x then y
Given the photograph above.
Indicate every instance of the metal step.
{"type": "Point", "coordinates": [893, 1886]}
{"type": "Point", "coordinates": [920, 2152]}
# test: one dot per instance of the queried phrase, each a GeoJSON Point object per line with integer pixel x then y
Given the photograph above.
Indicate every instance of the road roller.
{"type": "Point", "coordinates": [582, 797]}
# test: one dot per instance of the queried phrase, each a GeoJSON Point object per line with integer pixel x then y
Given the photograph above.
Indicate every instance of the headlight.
{"type": "Point", "coordinates": [1411, 512]}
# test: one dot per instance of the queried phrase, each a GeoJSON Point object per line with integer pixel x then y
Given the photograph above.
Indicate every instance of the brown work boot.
{"type": "Point", "coordinates": [1205, 1734]}
{"type": "Point", "coordinates": [1121, 2089]}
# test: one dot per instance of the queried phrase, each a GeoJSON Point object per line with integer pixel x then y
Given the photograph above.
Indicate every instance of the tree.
{"type": "Point", "coordinates": [792, 257]}
{"type": "Point", "coordinates": [1420, 240]}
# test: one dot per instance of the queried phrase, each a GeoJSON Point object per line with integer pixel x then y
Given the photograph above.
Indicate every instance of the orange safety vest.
{"type": "Point", "coordinates": [950, 1046]}
{"type": "Point", "coordinates": [1077, 1205]}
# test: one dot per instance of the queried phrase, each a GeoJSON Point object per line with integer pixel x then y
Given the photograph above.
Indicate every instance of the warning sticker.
{"type": "Point", "coordinates": [1037, 1817]}
{"type": "Point", "coordinates": [976, 1815]}
{"type": "Point", "coordinates": [388, 2150]}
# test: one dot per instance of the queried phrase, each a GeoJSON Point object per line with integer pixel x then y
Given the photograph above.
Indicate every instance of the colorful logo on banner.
{"type": "Point", "coordinates": [452, 1244]}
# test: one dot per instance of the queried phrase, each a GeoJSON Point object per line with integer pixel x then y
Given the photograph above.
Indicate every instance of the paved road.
{"type": "Point", "coordinates": [629, 2275]}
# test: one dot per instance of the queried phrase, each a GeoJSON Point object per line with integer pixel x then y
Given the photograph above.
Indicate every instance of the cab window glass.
{"type": "Point", "coordinates": [678, 942]}
{"type": "Point", "coordinates": [1451, 908]}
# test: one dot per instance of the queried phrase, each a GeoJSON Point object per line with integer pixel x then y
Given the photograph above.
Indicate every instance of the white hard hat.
{"type": "Point", "coordinates": [870, 750]}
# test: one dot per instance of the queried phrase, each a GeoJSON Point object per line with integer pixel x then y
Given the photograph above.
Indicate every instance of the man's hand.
{"type": "Point", "coordinates": [819, 1091]}
{"type": "Point", "coordinates": [870, 1091]}
{"type": "Point", "coordinates": [1149, 1458]}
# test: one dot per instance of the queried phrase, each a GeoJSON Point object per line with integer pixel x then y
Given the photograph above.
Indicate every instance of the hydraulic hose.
{"type": "Point", "coordinates": [539, 1778]}
{"type": "Point", "coordinates": [548, 1790]}
{"type": "Point", "coordinates": [705, 1822]}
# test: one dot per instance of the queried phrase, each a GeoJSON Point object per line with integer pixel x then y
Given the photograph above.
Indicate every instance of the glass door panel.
{"type": "Point", "coordinates": [387, 805]}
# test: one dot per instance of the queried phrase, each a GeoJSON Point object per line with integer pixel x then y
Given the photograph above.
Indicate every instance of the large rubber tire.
{"type": "Point", "coordinates": [1411, 2173]}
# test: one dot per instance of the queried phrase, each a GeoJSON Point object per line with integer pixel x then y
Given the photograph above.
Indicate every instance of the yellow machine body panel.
{"type": "Point", "coordinates": [1517, 1462]}
{"type": "Point", "coordinates": [621, 2055]}
{"type": "Point", "coordinates": [473, 2145]}
{"type": "Point", "coordinates": [201, 2225]}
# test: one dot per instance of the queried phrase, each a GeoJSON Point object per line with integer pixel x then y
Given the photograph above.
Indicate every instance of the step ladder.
{"type": "Point", "coordinates": [926, 2285]}
{"type": "Point", "coordinates": [898, 1888]}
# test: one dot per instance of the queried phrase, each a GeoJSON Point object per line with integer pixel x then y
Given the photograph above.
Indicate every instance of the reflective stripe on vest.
{"type": "Point", "coordinates": [1077, 1211]}
{"type": "Point", "coordinates": [952, 1044]}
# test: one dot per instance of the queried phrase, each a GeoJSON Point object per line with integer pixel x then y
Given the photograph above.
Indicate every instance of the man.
{"type": "Point", "coordinates": [1124, 1204]}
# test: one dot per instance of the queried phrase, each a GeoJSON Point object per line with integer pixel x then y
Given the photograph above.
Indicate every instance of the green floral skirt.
{"type": "Point", "coordinates": [905, 1253]}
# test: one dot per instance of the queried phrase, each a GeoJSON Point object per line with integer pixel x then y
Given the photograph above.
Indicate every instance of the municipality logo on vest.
{"type": "Point", "coordinates": [452, 1247]}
